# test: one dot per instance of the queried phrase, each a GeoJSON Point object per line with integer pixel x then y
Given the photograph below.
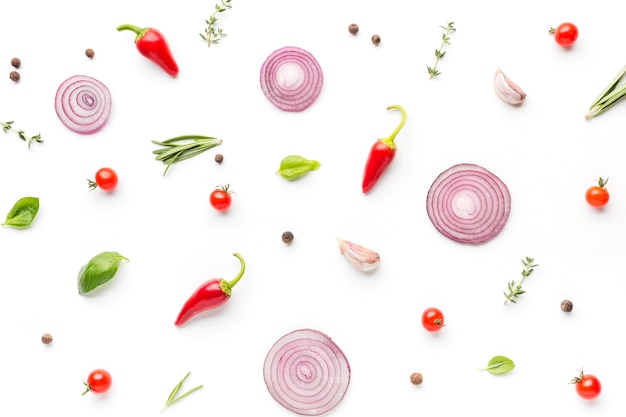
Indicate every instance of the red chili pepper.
{"type": "Point", "coordinates": [210, 295]}
{"type": "Point", "coordinates": [381, 154]}
{"type": "Point", "coordinates": [152, 44]}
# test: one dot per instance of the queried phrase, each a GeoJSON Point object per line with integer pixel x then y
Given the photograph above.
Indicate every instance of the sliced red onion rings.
{"type": "Point", "coordinates": [291, 78]}
{"type": "Point", "coordinates": [306, 372]}
{"type": "Point", "coordinates": [83, 104]}
{"type": "Point", "coordinates": [468, 204]}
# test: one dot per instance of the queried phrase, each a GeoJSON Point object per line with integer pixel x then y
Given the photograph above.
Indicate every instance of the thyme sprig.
{"type": "Point", "coordinates": [182, 147]}
{"type": "Point", "coordinates": [173, 398]}
{"type": "Point", "coordinates": [439, 53]}
{"type": "Point", "coordinates": [8, 126]}
{"type": "Point", "coordinates": [212, 34]}
{"type": "Point", "coordinates": [515, 288]}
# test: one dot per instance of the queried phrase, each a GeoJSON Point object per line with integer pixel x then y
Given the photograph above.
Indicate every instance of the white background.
{"type": "Point", "coordinates": [544, 151]}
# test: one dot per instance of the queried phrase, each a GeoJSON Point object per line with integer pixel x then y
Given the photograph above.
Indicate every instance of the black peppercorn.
{"type": "Point", "coordinates": [16, 62]}
{"type": "Point", "coordinates": [353, 28]}
{"type": "Point", "coordinates": [567, 306]}
{"type": "Point", "coordinates": [46, 339]}
{"type": "Point", "coordinates": [376, 40]}
{"type": "Point", "coordinates": [14, 76]}
{"type": "Point", "coordinates": [416, 378]}
{"type": "Point", "coordinates": [287, 237]}
{"type": "Point", "coordinates": [89, 52]}
{"type": "Point", "coordinates": [219, 158]}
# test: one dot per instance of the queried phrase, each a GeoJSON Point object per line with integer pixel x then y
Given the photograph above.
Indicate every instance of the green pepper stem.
{"type": "Point", "coordinates": [136, 29]}
{"type": "Point", "coordinates": [235, 280]}
{"type": "Point", "coordinates": [390, 140]}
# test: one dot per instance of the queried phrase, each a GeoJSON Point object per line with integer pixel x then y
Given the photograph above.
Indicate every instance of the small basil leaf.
{"type": "Point", "coordinates": [23, 213]}
{"type": "Point", "coordinates": [293, 167]}
{"type": "Point", "coordinates": [500, 365]}
{"type": "Point", "coordinates": [99, 270]}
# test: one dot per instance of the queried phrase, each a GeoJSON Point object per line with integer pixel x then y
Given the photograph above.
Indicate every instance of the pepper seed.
{"type": "Point", "coordinates": [89, 52]}
{"type": "Point", "coordinates": [46, 338]}
{"type": "Point", "coordinates": [287, 237]}
{"type": "Point", "coordinates": [567, 306]}
{"type": "Point", "coordinates": [14, 76]}
{"type": "Point", "coordinates": [16, 62]}
{"type": "Point", "coordinates": [219, 158]}
{"type": "Point", "coordinates": [416, 378]}
{"type": "Point", "coordinates": [353, 28]}
{"type": "Point", "coordinates": [376, 40]}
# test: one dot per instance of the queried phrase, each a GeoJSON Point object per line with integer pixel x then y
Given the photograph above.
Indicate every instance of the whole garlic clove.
{"type": "Point", "coordinates": [507, 90]}
{"type": "Point", "coordinates": [358, 256]}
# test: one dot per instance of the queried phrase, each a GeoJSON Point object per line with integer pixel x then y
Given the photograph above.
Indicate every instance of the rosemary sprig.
{"type": "Point", "coordinates": [182, 147]}
{"type": "Point", "coordinates": [439, 53]}
{"type": "Point", "coordinates": [613, 92]}
{"type": "Point", "coordinates": [6, 126]}
{"type": "Point", "coordinates": [172, 398]}
{"type": "Point", "coordinates": [515, 288]}
{"type": "Point", "coordinates": [211, 33]}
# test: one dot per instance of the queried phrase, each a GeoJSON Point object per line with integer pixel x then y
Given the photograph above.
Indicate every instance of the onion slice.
{"type": "Point", "coordinates": [291, 78]}
{"type": "Point", "coordinates": [83, 104]}
{"type": "Point", "coordinates": [468, 204]}
{"type": "Point", "coordinates": [306, 372]}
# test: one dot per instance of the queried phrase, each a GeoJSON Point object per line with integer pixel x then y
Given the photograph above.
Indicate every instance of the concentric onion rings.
{"type": "Point", "coordinates": [291, 78]}
{"type": "Point", "coordinates": [83, 104]}
{"type": "Point", "coordinates": [468, 204]}
{"type": "Point", "coordinates": [306, 372]}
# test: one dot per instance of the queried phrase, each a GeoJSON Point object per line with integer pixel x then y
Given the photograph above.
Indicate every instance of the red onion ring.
{"type": "Point", "coordinates": [468, 204]}
{"type": "Point", "coordinates": [83, 104]}
{"type": "Point", "coordinates": [306, 372]}
{"type": "Point", "coordinates": [291, 78]}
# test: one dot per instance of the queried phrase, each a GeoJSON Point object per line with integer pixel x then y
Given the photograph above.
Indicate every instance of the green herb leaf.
{"type": "Point", "coordinates": [293, 167]}
{"type": "Point", "coordinates": [172, 398]}
{"type": "Point", "coordinates": [499, 365]}
{"type": "Point", "coordinates": [23, 213]}
{"type": "Point", "coordinates": [99, 270]}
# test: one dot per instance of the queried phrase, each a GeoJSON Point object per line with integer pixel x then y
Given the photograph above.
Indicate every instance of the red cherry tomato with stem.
{"type": "Point", "coordinates": [598, 195]}
{"type": "Point", "coordinates": [565, 34]}
{"type": "Point", "coordinates": [587, 386]}
{"type": "Point", "coordinates": [432, 319]}
{"type": "Point", "coordinates": [221, 198]}
{"type": "Point", "coordinates": [106, 179]}
{"type": "Point", "coordinates": [98, 382]}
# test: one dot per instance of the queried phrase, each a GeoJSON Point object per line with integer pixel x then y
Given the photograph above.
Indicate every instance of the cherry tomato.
{"type": "Point", "coordinates": [221, 198]}
{"type": "Point", "coordinates": [98, 382]}
{"type": "Point", "coordinates": [597, 195]}
{"type": "Point", "coordinates": [106, 179]}
{"type": "Point", "coordinates": [565, 34]}
{"type": "Point", "coordinates": [432, 319]}
{"type": "Point", "coordinates": [587, 386]}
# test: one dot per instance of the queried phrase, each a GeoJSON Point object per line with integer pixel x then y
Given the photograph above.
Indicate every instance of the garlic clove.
{"type": "Point", "coordinates": [360, 257]}
{"type": "Point", "coordinates": [507, 90]}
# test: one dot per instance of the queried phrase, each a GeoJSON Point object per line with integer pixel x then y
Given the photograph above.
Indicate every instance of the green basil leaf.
{"type": "Point", "coordinates": [500, 365]}
{"type": "Point", "coordinates": [293, 167]}
{"type": "Point", "coordinates": [23, 213]}
{"type": "Point", "coordinates": [99, 270]}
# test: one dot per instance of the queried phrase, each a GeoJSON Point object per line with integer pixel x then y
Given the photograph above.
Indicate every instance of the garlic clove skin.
{"type": "Point", "coordinates": [507, 90]}
{"type": "Point", "coordinates": [360, 257]}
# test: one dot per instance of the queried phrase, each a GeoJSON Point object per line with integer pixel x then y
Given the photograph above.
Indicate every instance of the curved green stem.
{"type": "Point", "coordinates": [390, 140]}
{"type": "Point", "coordinates": [136, 29]}
{"type": "Point", "coordinates": [228, 285]}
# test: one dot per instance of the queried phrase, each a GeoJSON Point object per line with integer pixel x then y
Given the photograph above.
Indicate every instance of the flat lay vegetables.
{"type": "Point", "coordinates": [381, 154]}
{"type": "Point", "coordinates": [597, 195]}
{"type": "Point", "coordinates": [83, 104]}
{"type": "Point", "coordinates": [210, 295]}
{"type": "Point", "coordinates": [514, 287]}
{"type": "Point", "coordinates": [432, 319]}
{"type": "Point", "coordinates": [98, 382]}
{"type": "Point", "coordinates": [23, 213]}
{"type": "Point", "coordinates": [213, 34]}
{"type": "Point", "coordinates": [8, 126]}
{"type": "Point", "coordinates": [106, 179]}
{"type": "Point", "coordinates": [293, 167]}
{"type": "Point", "coordinates": [468, 204]}
{"type": "Point", "coordinates": [306, 372]}
{"type": "Point", "coordinates": [221, 198]}
{"type": "Point", "coordinates": [507, 90]}
{"type": "Point", "coordinates": [152, 44]}
{"type": "Point", "coordinates": [588, 386]}
{"type": "Point", "coordinates": [439, 53]}
{"type": "Point", "coordinates": [565, 34]}
{"type": "Point", "coordinates": [359, 257]}
{"type": "Point", "coordinates": [499, 365]}
{"type": "Point", "coordinates": [291, 78]}
{"type": "Point", "coordinates": [613, 93]}
{"type": "Point", "coordinates": [173, 398]}
{"type": "Point", "coordinates": [98, 271]}
{"type": "Point", "coordinates": [183, 147]}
